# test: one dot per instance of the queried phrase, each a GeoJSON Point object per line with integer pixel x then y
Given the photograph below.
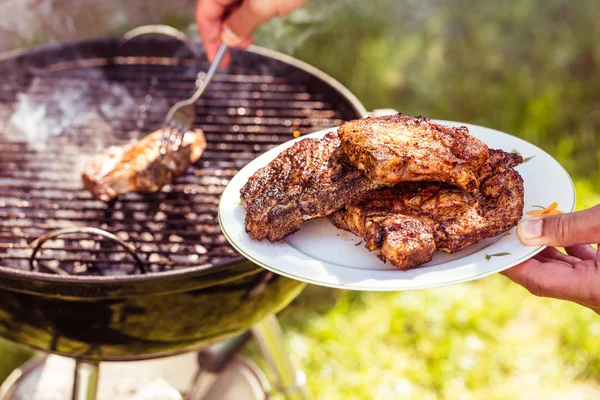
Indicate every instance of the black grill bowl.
{"type": "Point", "coordinates": [140, 317]}
{"type": "Point", "coordinates": [196, 289]}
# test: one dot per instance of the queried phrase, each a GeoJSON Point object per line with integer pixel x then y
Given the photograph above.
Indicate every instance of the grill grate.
{"type": "Point", "coordinates": [51, 120]}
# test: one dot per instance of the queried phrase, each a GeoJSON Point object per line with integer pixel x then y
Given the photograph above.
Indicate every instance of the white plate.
{"type": "Point", "coordinates": [321, 254]}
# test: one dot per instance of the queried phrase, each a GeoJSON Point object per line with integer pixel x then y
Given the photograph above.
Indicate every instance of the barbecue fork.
{"type": "Point", "coordinates": [181, 116]}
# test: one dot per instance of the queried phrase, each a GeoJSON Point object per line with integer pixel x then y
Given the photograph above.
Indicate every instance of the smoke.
{"type": "Point", "coordinates": [77, 120]}
{"type": "Point", "coordinates": [47, 110]}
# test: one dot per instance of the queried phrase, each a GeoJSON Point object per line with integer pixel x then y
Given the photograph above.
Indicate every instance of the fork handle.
{"type": "Point", "coordinates": [210, 73]}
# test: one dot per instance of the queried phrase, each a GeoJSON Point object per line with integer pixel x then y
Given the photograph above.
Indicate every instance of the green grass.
{"type": "Point", "coordinates": [488, 339]}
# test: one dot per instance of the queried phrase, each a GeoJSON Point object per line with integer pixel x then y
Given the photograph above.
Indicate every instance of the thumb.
{"type": "Point", "coordinates": [561, 230]}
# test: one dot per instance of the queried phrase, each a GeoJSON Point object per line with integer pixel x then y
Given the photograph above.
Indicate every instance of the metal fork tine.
{"type": "Point", "coordinates": [164, 142]}
{"type": "Point", "coordinates": [180, 117]}
{"type": "Point", "coordinates": [179, 137]}
{"type": "Point", "coordinates": [174, 136]}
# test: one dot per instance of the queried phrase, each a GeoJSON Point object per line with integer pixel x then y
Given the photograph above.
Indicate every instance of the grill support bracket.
{"type": "Point", "coordinates": [85, 383]}
{"type": "Point", "coordinates": [289, 380]}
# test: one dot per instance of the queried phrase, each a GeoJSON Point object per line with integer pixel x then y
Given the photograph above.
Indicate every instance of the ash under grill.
{"type": "Point", "coordinates": [64, 104]}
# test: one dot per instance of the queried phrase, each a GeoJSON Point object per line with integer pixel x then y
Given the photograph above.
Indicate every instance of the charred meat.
{"type": "Point", "coordinates": [401, 148]}
{"type": "Point", "coordinates": [405, 240]}
{"type": "Point", "coordinates": [311, 179]}
{"type": "Point", "coordinates": [406, 185]}
{"type": "Point", "coordinates": [139, 167]}
{"type": "Point", "coordinates": [407, 222]}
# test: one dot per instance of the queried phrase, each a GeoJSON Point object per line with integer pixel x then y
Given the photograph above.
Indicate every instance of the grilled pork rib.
{"type": "Point", "coordinates": [401, 148]}
{"type": "Point", "coordinates": [138, 167]}
{"type": "Point", "coordinates": [404, 240]}
{"type": "Point", "coordinates": [311, 179]}
{"type": "Point", "coordinates": [407, 222]}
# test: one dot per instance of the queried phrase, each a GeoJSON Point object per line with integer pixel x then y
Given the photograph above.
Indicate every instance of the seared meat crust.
{"type": "Point", "coordinates": [311, 179]}
{"type": "Point", "coordinates": [401, 148]}
{"type": "Point", "coordinates": [450, 217]}
{"type": "Point", "coordinates": [388, 232]}
{"type": "Point", "coordinates": [139, 167]}
{"type": "Point", "coordinates": [498, 161]}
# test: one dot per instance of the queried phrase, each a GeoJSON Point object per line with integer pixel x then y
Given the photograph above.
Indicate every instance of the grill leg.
{"type": "Point", "coordinates": [290, 381]}
{"type": "Point", "coordinates": [85, 383]}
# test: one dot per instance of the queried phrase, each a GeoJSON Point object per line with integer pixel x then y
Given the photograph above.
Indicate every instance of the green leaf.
{"type": "Point", "coordinates": [515, 151]}
{"type": "Point", "coordinates": [542, 207]}
{"type": "Point", "coordinates": [489, 256]}
{"type": "Point", "coordinates": [527, 159]}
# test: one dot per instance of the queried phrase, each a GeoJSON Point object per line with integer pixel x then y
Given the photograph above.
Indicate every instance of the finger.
{"type": "Point", "coordinates": [584, 251]}
{"type": "Point", "coordinates": [588, 272]}
{"type": "Point", "coordinates": [554, 254]}
{"type": "Point", "coordinates": [561, 230]}
{"type": "Point", "coordinates": [549, 260]}
{"type": "Point", "coordinates": [548, 279]}
{"type": "Point", "coordinates": [209, 19]}
{"type": "Point", "coordinates": [232, 39]}
{"type": "Point", "coordinates": [244, 20]}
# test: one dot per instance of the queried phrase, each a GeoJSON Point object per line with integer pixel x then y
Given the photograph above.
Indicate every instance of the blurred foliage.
{"type": "Point", "coordinates": [487, 339]}
{"type": "Point", "coordinates": [11, 356]}
{"type": "Point", "coordinates": [526, 67]}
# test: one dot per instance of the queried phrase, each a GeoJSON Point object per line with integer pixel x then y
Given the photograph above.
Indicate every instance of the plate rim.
{"type": "Point", "coordinates": [354, 287]}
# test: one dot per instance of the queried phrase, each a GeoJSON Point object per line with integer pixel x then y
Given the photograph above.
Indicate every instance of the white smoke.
{"type": "Point", "coordinates": [47, 110]}
{"type": "Point", "coordinates": [76, 121]}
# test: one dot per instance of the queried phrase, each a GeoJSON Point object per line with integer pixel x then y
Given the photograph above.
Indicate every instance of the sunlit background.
{"type": "Point", "coordinates": [526, 67]}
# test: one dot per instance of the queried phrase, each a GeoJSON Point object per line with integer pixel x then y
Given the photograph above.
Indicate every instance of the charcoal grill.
{"type": "Point", "coordinates": [146, 275]}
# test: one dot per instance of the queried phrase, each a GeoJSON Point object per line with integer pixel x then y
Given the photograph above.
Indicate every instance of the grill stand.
{"type": "Point", "coordinates": [85, 382]}
{"type": "Point", "coordinates": [289, 381]}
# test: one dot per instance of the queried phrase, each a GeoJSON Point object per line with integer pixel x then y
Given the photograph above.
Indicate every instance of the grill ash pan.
{"type": "Point", "coordinates": [161, 278]}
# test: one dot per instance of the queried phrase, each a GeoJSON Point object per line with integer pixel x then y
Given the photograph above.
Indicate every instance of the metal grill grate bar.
{"type": "Point", "coordinates": [245, 112]}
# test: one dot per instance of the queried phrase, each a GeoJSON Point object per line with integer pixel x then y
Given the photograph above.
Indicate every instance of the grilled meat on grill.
{"type": "Point", "coordinates": [407, 222]}
{"type": "Point", "coordinates": [139, 167]}
{"type": "Point", "coordinates": [311, 179]}
{"type": "Point", "coordinates": [401, 148]}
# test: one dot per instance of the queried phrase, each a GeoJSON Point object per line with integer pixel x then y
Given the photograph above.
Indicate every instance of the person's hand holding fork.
{"type": "Point", "coordinates": [233, 21]}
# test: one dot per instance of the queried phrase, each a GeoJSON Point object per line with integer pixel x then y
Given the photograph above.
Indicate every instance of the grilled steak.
{"type": "Point", "coordinates": [138, 167]}
{"type": "Point", "coordinates": [405, 240]}
{"type": "Point", "coordinates": [311, 179]}
{"type": "Point", "coordinates": [407, 222]}
{"type": "Point", "coordinates": [401, 148]}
